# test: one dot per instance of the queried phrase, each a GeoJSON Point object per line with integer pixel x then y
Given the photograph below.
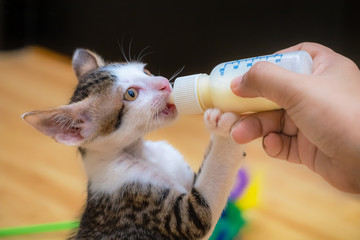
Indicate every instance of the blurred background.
{"type": "Point", "coordinates": [196, 33]}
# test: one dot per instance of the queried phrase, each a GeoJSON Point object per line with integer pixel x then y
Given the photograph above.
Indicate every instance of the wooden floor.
{"type": "Point", "coordinates": [42, 181]}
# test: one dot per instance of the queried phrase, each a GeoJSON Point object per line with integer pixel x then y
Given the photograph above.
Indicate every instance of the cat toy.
{"type": "Point", "coordinates": [243, 196]}
{"type": "Point", "coordinates": [38, 228]}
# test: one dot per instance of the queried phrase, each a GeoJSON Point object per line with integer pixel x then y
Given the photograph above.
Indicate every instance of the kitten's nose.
{"type": "Point", "coordinates": [162, 84]}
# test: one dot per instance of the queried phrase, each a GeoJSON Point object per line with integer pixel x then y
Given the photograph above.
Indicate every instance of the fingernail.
{"type": "Point", "coordinates": [265, 142]}
{"type": "Point", "coordinates": [236, 84]}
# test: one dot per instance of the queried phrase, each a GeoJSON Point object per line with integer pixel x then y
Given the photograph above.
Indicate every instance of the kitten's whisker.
{"type": "Point", "coordinates": [121, 46]}
{"type": "Point", "coordinates": [157, 118]}
{"type": "Point", "coordinates": [140, 56]}
{"type": "Point", "coordinates": [131, 40]}
{"type": "Point", "coordinates": [148, 122]}
{"type": "Point", "coordinates": [145, 54]}
{"type": "Point", "coordinates": [176, 73]}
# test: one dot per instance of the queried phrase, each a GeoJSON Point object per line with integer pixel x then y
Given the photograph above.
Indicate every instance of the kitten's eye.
{"type": "Point", "coordinates": [131, 94]}
{"type": "Point", "coordinates": [147, 72]}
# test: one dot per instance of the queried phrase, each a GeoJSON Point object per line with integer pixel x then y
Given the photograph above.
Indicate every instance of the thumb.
{"type": "Point", "coordinates": [271, 81]}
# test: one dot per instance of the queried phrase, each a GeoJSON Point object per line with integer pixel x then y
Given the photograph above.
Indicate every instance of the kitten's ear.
{"type": "Point", "coordinates": [69, 124]}
{"type": "Point", "coordinates": [85, 61]}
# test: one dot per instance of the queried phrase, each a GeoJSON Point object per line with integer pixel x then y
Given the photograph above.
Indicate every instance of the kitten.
{"type": "Point", "coordinates": [139, 189]}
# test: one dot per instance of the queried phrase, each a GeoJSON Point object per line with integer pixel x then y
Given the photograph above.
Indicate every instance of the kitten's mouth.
{"type": "Point", "coordinates": [168, 110]}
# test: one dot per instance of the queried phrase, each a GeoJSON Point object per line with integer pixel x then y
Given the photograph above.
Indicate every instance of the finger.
{"type": "Point", "coordinates": [273, 82]}
{"type": "Point", "coordinates": [294, 150]}
{"type": "Point", "coordinates": [260, 124]}
{"type": "Point", "coordinates": [282, 146]}
{"type": "Point", "coordinates": [272, 144]}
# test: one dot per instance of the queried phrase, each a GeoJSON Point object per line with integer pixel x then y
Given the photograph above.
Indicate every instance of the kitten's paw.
{"type": "Point", "coordinates": [220, 123]}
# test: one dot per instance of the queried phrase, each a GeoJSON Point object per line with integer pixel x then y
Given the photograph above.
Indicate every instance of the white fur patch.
{"type": "Point", "coordinates": [128, 74]}
{"type": "Point", "coordinates": [160, 165]}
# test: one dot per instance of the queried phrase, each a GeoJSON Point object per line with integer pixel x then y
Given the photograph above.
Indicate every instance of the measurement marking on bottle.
{"type": "Point", "coordinates": [245, 62]}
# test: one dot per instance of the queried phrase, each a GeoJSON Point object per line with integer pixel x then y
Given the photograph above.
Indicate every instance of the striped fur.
{"type": "Point", "coordinates": [143, 211]}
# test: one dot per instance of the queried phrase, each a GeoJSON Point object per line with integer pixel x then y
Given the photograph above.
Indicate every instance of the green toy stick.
{"type": "Point", "coordinates": [39, 228]}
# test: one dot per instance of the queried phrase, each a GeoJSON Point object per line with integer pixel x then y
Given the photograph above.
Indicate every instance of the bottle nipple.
{"type": "Point", "coordinates": [171, 99]}
{"type": "Point", "coordinates": [185, 96]}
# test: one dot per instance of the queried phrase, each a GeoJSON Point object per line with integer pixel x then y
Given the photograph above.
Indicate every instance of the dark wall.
{"type": "Point", "coordinates": [197, 34]}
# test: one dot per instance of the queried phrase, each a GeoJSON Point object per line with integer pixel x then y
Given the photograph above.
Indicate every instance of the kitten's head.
{"type": "Point", "coordinates": [120, 101]}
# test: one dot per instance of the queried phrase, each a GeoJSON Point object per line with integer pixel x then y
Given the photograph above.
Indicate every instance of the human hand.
{"type": "Point", "coordinates": [319, 125]}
